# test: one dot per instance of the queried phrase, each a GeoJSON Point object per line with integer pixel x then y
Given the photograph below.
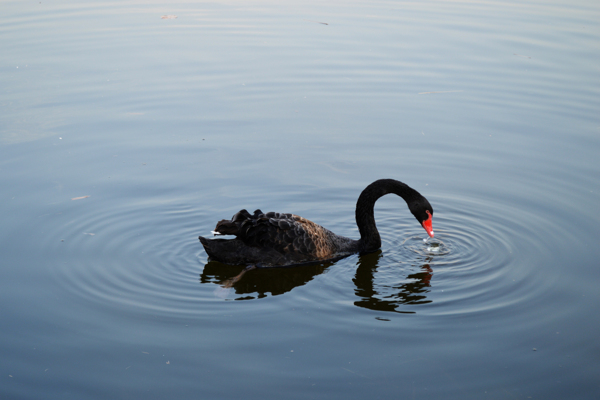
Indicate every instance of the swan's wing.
{"type": "Point", "coordinates": [277, 239]}
{"type": "Point", "coordinates": [284, 233]}
{"type": "Point", "coordinates": [288, 234]}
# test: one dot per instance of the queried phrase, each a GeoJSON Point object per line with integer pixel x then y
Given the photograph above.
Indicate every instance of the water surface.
{"type": "Point", "coordinates": [124, 136]}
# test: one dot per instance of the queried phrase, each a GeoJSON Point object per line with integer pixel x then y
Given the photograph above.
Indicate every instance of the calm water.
{"type": "Point", "coordinates": [489, 109]}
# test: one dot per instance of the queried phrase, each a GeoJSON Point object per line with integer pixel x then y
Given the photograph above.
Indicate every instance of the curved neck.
{"type": "Point", "coordinates": [365, 215]}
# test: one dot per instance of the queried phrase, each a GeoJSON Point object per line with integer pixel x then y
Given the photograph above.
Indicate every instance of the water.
{"type": "Point", "coordinates": [489, 109]}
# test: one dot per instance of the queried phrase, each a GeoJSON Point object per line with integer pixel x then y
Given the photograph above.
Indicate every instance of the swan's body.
{"type": "Point", "coordinates": [276, 239]}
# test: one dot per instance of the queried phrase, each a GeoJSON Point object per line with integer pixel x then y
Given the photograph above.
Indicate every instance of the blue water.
{"type": "Point", "coordinates": [124, 136]}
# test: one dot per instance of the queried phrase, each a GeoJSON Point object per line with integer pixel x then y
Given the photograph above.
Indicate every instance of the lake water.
{"type": "Point", "coordinates": [124, 136]}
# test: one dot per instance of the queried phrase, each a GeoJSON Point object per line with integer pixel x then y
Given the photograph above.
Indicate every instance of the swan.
{"type": "Point", "coordinates": [278, 239]}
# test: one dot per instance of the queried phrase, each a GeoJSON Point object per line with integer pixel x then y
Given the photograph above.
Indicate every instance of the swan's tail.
{"type": "Point", "coordinates": [228, 251]}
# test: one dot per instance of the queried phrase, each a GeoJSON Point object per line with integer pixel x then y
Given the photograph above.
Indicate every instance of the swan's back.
{"type": "Point", "coordinates": [274, 239]}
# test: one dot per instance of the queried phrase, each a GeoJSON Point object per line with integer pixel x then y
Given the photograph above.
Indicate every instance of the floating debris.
{"type": "Point", "coordinates": [318, 22]}
{"type": "Point", "coordinates": [168, 17]}
{"type": "Point", "coordinates": [79, 198]}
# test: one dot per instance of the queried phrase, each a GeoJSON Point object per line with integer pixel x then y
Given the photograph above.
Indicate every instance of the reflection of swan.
{"type": "Point", "coordinates": [260, 282]}
{"type": "Point", "coordinates": [388, 297]}
{"type": "Point", "coordinates": [371, 294]}
{"type": "Point", "coordinates": [275, 239]}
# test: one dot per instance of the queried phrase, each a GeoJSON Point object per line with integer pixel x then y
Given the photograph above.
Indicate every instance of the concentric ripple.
{"type": "Point", "coordinates": [119, 255]}
{"type": "Point", "coordinates": [478, 261]}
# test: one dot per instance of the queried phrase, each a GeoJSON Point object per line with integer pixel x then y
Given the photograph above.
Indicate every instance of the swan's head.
{"type": "Point", "coordinates": [423, 212]}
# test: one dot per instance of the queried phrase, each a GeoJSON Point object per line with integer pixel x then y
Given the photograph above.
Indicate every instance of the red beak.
{"type": "Point", "coordinates": [427, 225]}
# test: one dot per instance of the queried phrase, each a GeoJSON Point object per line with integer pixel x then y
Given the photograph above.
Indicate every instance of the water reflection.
{"type": "Point", "coordinates": [252, 283]}
{"type": "Point", "coordinates": [260, 281]}
{"type": "Point", "coordinates": [387, 297]}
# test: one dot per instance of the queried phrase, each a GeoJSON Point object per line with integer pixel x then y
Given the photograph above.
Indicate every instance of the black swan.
{"type": "Point", "coordinates": [276, 239]}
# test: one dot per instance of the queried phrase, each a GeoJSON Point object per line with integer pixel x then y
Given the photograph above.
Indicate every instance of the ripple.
{"type": "Point", "coordinates": [479, 261]}
{"type": "Point", "coordinates": [428, 247]}
{"type": "Point", "coordinates": [146, 256]}
{"type": "Point", "coordinates": [118, 255]}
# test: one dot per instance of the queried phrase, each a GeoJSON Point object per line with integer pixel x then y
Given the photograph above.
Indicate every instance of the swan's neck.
{"type": "Point", "coordinates": [365, 215]}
